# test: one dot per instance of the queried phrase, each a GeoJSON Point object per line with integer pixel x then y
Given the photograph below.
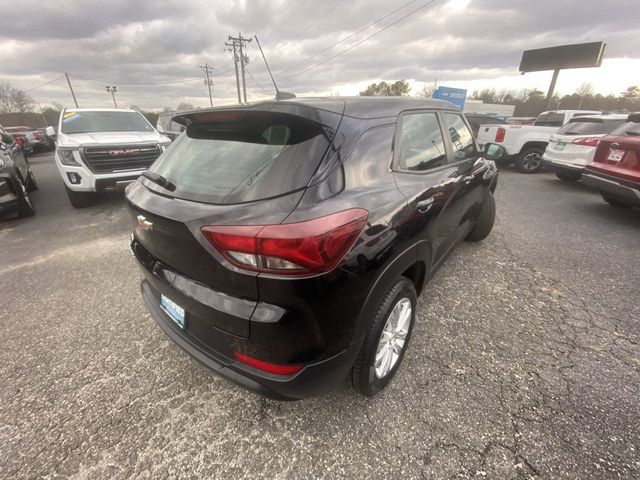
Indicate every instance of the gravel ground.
{"type": "Point", "coordinates": [524, 363]}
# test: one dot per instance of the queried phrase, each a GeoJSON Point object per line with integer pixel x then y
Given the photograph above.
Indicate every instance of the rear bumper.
{"type": "Point", "coordinates": [314, 379]}
{"type": "Point", "coordinates": [213, 333]}
{"type": "Point", "coordinates": [624, 190]}
{"type": "Point", "coordinates": [561, 167]}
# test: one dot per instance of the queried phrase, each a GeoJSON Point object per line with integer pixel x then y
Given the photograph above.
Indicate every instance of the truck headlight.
{"type": "Point", "coordinates": [67, 158]}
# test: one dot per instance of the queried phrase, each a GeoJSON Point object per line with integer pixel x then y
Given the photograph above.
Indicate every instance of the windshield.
{"type": "Point", "coordinates": [549, 120]}
{"type": "Point", "coordinates": [590, 126]}
{"type": "Point", "coordinates": [87, 122]}
{"type": "Point", "coordinates": [251, 157]}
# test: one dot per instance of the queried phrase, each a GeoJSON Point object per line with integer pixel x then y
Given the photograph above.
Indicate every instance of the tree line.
{"type": "Point", "coordinates": [528, 102]}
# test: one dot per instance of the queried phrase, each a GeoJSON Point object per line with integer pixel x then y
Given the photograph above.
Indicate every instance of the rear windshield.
{"type": "Point", "coordinates": [628, 128]}
{"type": "Point", "coordinates": [549, 120]}
{"type": "Point", "coordinates": [590, 126]}
{"type": "Point", "coordinates": [87, 122]}
{"type": "Point", "coordinates": [244, 157]}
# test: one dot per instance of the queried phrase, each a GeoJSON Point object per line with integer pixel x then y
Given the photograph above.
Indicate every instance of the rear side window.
{"type": "Point", "coordinates": [421, 143]}
{"type": "Point", "coordinates": [245, 157]}
{"type": "Point", "coordinates": [628, 128]}
{"type": "Point", "coordinates": [464, 146]}
{"type": "Point", "coordinates": [590, 126]}
{"type": "Point", "coordinates": [549, 120]}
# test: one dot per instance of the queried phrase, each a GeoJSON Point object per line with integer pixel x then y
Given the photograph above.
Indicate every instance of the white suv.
{"type": "Point", "coordinates": [101, 149]}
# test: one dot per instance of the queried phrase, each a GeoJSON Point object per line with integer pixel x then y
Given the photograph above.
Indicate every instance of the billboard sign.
{"type": "Point", "coordinates": [457, 96]}
{"type": "Point", "coordinates": [579, 55]}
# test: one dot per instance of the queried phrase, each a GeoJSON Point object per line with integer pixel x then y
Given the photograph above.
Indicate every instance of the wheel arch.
{"type": "Point", "coordinates": [413, 263]}
{"type": "Point", "coordinates": [533, 144]}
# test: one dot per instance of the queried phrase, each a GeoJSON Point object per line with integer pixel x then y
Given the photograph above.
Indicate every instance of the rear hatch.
{"type": "Point", "coordinates": [246, 166]}
{"type": "Point", "coordinates": [619, 154]}
{"type": "Point", "coordinates": [577, 140]}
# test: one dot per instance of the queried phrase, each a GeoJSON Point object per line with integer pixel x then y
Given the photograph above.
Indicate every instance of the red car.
{"type": "Point", "coordinates": [615, 170]}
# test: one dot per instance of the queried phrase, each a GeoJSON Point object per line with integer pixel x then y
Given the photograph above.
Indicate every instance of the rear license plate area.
{"type": "Point", "coordinates": [615, 155]}
{"type": "Point", "coordinates": [560, 146]}
{"type": "Point", "coordinates": [175, 311]}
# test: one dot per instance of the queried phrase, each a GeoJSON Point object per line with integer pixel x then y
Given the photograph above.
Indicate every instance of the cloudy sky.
{"type": "Point", "coordinates": [151, 49]}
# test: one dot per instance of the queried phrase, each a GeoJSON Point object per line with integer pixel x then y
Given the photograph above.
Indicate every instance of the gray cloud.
{"type": "Point", "coordinates": [165, 40]}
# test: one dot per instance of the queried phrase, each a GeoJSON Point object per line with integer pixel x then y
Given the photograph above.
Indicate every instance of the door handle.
{"type": "Point", "coordinates": [425, 205]}
{"type": "Point", "coordinates": [468, 178]}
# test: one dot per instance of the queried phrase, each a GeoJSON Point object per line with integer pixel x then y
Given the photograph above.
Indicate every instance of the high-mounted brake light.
{"type": "Point", "coordinates": [278, 369]}
{"type": "Point", "coordinates": [587, 141]}
{"type": "Point", "coordinates": [303, 248]}
{"type": "Point", "coordinates": [500, 133]}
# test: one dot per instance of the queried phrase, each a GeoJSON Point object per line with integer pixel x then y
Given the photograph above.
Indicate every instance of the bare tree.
{"type": "Point", "coordinates": [428, 89]}
{"type": "Point", "coordinates": [584, 90]}
{"type": "Point", "coordinates": [14, 100]}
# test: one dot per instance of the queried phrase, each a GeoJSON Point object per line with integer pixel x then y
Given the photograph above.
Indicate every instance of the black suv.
{"type": "Point", "coordinates": [283, 243]}
{"type": "Point", "coordinates": [16, 178]}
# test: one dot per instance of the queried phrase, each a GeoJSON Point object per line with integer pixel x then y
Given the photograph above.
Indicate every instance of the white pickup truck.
{"type": "Point", "coordinates": [525, 144]}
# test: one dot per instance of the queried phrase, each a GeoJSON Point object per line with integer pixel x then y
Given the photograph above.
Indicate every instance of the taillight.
{"type": "Point", "coordinates": [19, 141]}
{"type": "Point", "coordinates": [303, 248]}
{"type": "Point", "coordinates": [587, 141]}
{"type": "Point", "coordinates": [500, 133]}
{"type": "Point", "coordinates": [278, 369]}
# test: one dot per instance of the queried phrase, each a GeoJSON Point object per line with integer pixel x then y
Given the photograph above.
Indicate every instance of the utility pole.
{"type": "Point", "coordinates": [207, 80]}
{"type": "Point", "coordinates": [71, 88]}
{"type": "Point", "coordinates": [238, 51]}
{"type": "Point", "coordinates": [232, 48]}
{"type": "Point", "coordinates": [112, 91]}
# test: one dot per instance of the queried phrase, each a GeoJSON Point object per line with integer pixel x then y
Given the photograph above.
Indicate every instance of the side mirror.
{"type": "Point", "coordinates": [50, 131]}
{"type": "Point", "coordinates": [493, 151]}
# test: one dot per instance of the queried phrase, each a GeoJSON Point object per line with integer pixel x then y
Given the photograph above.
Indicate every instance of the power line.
{"type": "Point", "coordinates": [342, 52]}
{"type": "Point", "coordinates": [45, 83]}
{"type": "Point", "coordinates": [257, 82]}
{"type": "Point", "coordinates": [312, 24]}
{"type": "Point", "coordinates": [347, 37]}
{"type": "Point", "coordinates": [184, 80]}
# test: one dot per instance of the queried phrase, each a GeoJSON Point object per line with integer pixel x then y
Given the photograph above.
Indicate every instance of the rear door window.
{"type": "Point", "coordinates": [590, 126]}
{"type": "Point", "coordinates": [421, 145]}
{"type": "Point", "coordinates": [549, 120]}
{"type": "Point", "coordinates": [244, 157]}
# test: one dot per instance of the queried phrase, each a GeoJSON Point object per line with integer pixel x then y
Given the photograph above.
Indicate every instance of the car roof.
{"type": "Point", "coordinates": [358, 107]}
{"type": "Point", "coordinates": [604, 116]}
{"type": "Point", "coordinates": [99, 110]}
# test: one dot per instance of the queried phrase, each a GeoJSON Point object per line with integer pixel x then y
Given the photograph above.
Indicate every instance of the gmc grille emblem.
{"type": "Point", "coordinates": [123, 152]}
{"type": "Point", "coordinates": [144, 223]}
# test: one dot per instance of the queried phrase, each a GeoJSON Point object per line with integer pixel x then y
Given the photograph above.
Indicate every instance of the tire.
{"type": "Point", "coordinates": [529, 160]}
{"type": "Point", "coordinates": [31, 182]}
{"type": "Point", "coordinates": [568, 176]}
{"type": "Point", "coordinates": [79, 199]}
{"type": "Point", "coordinates": [365, 378]}
{"type": "Point", "coordinates": [614, 202]}
{"type": "Point", "coordinates": [487, 217]}
{"type": "Point", "coordinates": [25, 204]}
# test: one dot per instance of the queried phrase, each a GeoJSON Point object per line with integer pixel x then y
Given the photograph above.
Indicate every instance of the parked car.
{"type": "Point", "coordinates": [16, 178]}
{"type": "Point", "coordinates": [22, 143]}
{"type": "Point", "coordinates": [283, 244]}
{"type": "Point", "coordinates": [525, 144]}
{"type": "Point", "coordinates": [572, 147]}
{"type": "Point", "coordinates": [615, 170]}
{"type": "Point", "coordinates": [100, 149]}
{"type": "Point", "coordinates": [166, 126]}
{"type": "Point", "coordinates": [37, 139]}
{"type": "Point", "coordinates": [477, 119]}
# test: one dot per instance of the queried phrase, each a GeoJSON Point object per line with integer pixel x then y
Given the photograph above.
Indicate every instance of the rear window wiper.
{"type": "Point", "coordinates": [159, 180]}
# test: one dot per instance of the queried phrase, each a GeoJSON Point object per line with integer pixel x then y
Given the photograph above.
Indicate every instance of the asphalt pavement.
{"type": "Point", "coordinates": [524, 363]}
